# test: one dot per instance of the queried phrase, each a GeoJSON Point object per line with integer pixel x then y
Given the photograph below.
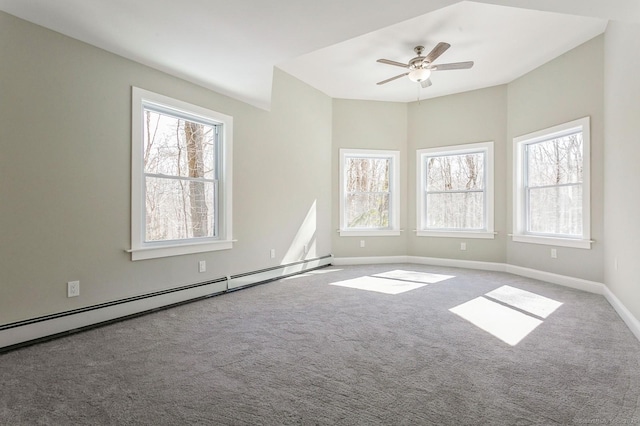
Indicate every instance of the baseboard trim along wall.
{"type": "Point", "coordinates": [627, 317]}
{"type": "Point", "coordinates": [563, 280]}
{"type": "Point", "coordinates": [22, 333]}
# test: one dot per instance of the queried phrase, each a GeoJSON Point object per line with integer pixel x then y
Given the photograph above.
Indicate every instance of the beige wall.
{"type": "Point", "coordinates": [369, 125]}
{"type": "Point", "coordinates": [65, 145]}
{"type": "Point", "coordinates": [621, 163]}
{"type": "Point", "coordinates": [65, 173]}
{"type": "Point", "coordinates": [477, 116]}
{"type": "Point", "coordinates": [562, 90]}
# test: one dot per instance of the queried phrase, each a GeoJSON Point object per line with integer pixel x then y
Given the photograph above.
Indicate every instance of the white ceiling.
{"type": "Point", "coordinates": [232, 46]}
{"type": "Point", "coordinates": [503, 42]}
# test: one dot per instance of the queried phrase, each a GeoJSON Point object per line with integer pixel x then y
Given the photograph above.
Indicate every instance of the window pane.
{"type": "Point", "coordinates": [455, 172]}
{"type": "Point", "coordinates": [367, 210]}
{"type": "Point", "coordinates": [367, 174]}
{"type": "Point", "coordinates": [555, 162]}
{"type": "Point", "coordinates": [556, 210]}
{"type": "Point", "coordinates": [178, 209]}
{"type": "Point", "coordinates": [177, 147]}
{"type": "Point", "coordinates": [455, 210]}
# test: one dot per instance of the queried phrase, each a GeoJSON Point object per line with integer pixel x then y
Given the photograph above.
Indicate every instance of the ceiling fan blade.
{"type": "Point", "coordinates": [390, 62]}
{"type": "Point", "coordinates": [436, 52]}
{"type": "Point", "coordinates": [452, 66]}
{"type": "Point", "coordinates": [426, 83]}
{"type": "Point", "coordinates": [392, 78]}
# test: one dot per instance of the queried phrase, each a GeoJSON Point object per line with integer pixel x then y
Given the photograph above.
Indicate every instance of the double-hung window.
{"type": "Point", "coordinates": [551, 186]}
{"type": "Point", "coordinates": [369, 192]}
{"type": "Point", "coordinates": [455, 191]}
{"type": "Point", "coordinates": [181, 177]}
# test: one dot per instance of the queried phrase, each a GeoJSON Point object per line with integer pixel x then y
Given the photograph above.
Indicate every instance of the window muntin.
{"type": "Point", "coordinates": [551, 186]}
{"type": "Point", "coordinates": [455, 191]}
{"type": "Point", "coordinates": [369, 192]}
{"type": "Point", "coordinates": [181, 177]}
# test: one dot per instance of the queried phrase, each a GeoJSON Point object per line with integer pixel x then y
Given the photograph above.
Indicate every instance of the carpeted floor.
{"type": "Point", "coordinates": [450, 347]}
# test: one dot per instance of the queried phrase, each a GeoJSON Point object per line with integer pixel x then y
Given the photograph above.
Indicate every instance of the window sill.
{"type": "Point", "coordinates": [178, 249]}
{"type": "Point", "coordinates": [370, 233]}
{"type": "Point", "coordinates": [553, 241]}
{"type": "Point", "coordinates": [488, 235]}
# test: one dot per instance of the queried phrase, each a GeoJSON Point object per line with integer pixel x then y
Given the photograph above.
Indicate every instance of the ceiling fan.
{"type": "Point", "coordinates": [420, 67]}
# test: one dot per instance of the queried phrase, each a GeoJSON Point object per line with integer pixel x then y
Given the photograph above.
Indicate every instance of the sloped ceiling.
{"type": "Point", "coordinates": [232, 46]}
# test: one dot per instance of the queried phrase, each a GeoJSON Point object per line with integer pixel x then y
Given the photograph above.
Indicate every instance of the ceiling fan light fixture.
{"type": "Point", "coordinates": [419, 74]}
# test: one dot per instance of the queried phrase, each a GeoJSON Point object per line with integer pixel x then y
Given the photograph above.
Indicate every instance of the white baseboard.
{"type": "Point", "coordinates": [631, 321]}
{"type": "Point", "coordinates": [563, 280]}
{"type": "Point", "coordinates": [372, 260]}
{"type": "Point", "coordinates": [457, 263]}
{"type": "Point", "coordinates": [50, 325]}
{"type": "Point", "coordinates": [251, 278]}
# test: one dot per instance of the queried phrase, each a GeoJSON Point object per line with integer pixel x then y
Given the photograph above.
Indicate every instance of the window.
{"type": "Point", "coordinates": [369, 192]}
{"type": "Point", "coordinates": [551, 189]}
{"type": "Point", "coordinates": [181, 177]}
{"type": "Point", "coordinates": [455, 191]}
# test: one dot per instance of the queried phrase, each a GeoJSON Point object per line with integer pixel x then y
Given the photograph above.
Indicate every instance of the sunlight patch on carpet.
{"type": "Point", "coordinates": [413, 276]}
{"type": "Point", "coordinates": [524, 300]}
{"type": "Point", "coordinates": [507, 313]}
{"type": "Point", "coordinates": [380, 285]}
{"type": "Point", "coordinates": [506, 324]}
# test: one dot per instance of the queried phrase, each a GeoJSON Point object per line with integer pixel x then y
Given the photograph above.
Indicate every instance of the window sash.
{"type": "Point", "coordinates": [347, 194]}
{"type": "Point", "coordinates": [386, 191]}
{"type": "Point", "coordinates": [528, 210]}
{"type": "Point", "coordinates": [215, 182]}
{"type": "Point", "coordinates": [215, 164]}
{"type": "Point", "coordinates": [574, 208]}
{"type": "Point", "coordinates": [425, 182]}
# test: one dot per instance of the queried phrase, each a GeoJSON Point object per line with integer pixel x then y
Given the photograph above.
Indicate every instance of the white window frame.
{"type": "Point", "coordinates": [141, 249]}
{"type": "Point", "coordinates": [421, 178]}
{"type": "Point", "coordinates": [394, 193]}
{"type": "Point", "coordinates": [519, 192]}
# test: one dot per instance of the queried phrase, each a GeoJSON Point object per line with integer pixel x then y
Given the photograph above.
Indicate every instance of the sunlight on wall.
{"type": "Point", "coordinates": [507, 313]}
{"type": "Point", "coordinates": [305, 237]}
{"type": "Point", "coordinates": [393, 282]}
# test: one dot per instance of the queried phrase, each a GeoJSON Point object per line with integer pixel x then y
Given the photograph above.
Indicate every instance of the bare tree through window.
{"type": "Point", "coordinates": [554, 176]}
{"type": "Point", "coordinates": [367, 192]}
{"type": "Point", "coordinates": [180, 177]}
{"type": "Point", "coordinates": [454, 191]}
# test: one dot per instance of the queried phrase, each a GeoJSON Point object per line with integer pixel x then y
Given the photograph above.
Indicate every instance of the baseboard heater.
{"type": "Point", "coordinates": [35, 330]}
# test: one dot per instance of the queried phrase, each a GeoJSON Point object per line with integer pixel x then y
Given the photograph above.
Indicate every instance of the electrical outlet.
{"type": "Point", "coordinates": [554, 253]}
{"type": "Point", "coordinates": [463, 246]}
{"type": "Point", "coordinates": [361, 243]}
{"type": "Point", "coordinates": [273, 253]}
{"type": "Point", "coordinates": [202, 266]}
{"type": "Point", "coordinates": [73, 288]}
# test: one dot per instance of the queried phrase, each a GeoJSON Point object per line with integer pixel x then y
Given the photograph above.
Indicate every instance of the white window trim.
{"type": "Point", "coordinates": [421, 154]}
{"type": "Point", "coordinates": [149, 250]}
{"type": "Point", "coordinates": [394, 213]}
{"type": "Point", "coordinates": [519, 214]}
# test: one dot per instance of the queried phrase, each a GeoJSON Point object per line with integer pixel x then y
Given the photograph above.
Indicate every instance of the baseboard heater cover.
{"type": "Point", "coordinates": [34, 330]}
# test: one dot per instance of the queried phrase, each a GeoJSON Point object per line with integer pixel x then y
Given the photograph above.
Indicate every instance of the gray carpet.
{"type": "Point", "coordinates": [303, 352]}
